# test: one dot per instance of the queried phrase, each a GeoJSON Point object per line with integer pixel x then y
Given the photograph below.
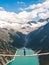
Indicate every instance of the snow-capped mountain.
{"type": "Point", "coordinates": [23, 27]}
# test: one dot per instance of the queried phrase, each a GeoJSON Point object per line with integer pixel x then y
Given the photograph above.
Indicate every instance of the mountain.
{"type": "Point", "coordinates": [30, 22]}
{"type": "Point", "coordinates": [31, 35]}
{"type": "Point", "coordinates": [41, 36]}
{"type": "Point", "coordinates": [18, 39]}
{"type": "Point", "coordinates": [8, 40]}
{"type": "Point", "coordinates": [42, 20]}
{"type": "Point", "coordinates": [25, 28]}
{"type": "Point", "coordinates": [5, 47]}
{"type": "Point", "coordinates": [39, 40]}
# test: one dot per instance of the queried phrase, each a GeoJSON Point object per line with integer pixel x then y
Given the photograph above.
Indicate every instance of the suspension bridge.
{"type": "Point", "coordinates": [41, 54]}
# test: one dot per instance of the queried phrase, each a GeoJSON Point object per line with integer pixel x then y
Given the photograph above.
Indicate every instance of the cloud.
{"type": "Point", "coordinates": [40, 10]}
{"type": "Point", "coordinates": [44, 15]}
{"type": "Point", "coordinates": [39, 5]}
{"type": "Point", "coordinates": [20, 3]}
{"type": "Point", "coordinates": [22, 17]}
{"type": "Point", "coordinates": [1, 8]}
{"type": "Point", "coordinates": [7, 16]}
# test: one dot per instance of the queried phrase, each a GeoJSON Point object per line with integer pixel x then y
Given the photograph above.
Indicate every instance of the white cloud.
{"type": "Point", "coordinates": [23, 3]}
{"type": "Point", "coordinates": [1, 8]}
{"type": "Point", "coordinates": [7, 16]}
{"type": "Point", "coordinates": [22, 17]}
{"type": "Point", "coordinates": [39, 5]}
{"type": "Point", "coordinates": [44, 15]}
{"type": "Point", "coordinates": [39, 10]}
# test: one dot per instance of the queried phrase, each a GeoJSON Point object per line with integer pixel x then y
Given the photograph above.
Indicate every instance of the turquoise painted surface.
{"type": "Point", "coordinates": [25, 60]}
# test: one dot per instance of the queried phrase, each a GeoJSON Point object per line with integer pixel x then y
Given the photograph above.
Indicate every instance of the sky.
{"type": "Point", "coordinates": [15, 5]}
{"type": "Point", "coordinates": [22, 11]}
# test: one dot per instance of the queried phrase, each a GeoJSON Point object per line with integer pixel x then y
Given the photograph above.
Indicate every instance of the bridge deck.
{"type": "Point", "coordinates": [26, 55]}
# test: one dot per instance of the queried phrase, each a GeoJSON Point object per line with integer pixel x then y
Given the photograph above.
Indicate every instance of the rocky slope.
{"type": "Point", "coordinates": [10, 41]}
{"type": "Point", "coordinates": [5, 47]}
